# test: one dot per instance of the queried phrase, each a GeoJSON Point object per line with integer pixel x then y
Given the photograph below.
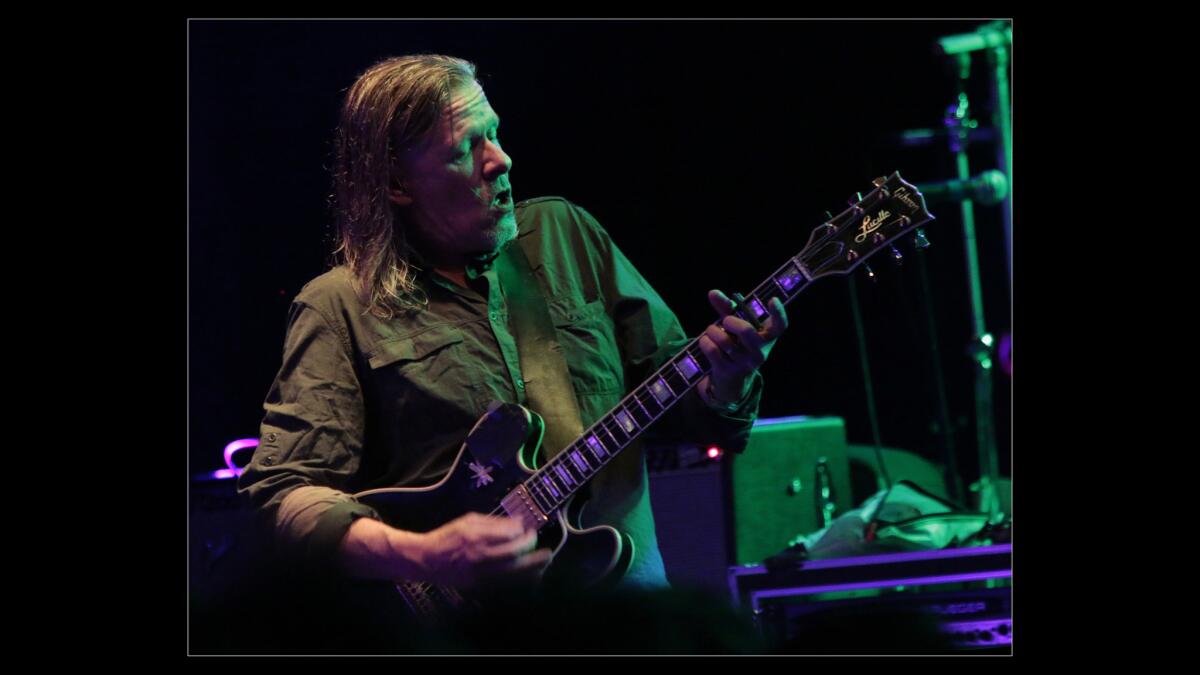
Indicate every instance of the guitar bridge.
{"type": "Point", "coordinates": [519, 504]}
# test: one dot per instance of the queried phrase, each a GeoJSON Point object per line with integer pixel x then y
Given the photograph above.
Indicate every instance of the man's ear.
{"type": "Point", "coordinates": [397, 190]}
{"type": "Point", "coordinates": [399, 197]}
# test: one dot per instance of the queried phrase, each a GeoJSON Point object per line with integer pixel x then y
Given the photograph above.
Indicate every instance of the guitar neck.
{"type": "Point", "coordinates": [838, 246]}
{"type": "Point", "coordinates": [560, 478]}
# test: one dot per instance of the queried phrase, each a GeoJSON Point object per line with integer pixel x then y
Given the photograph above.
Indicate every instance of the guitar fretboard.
{"type": "Point", "coordinates": [894, 208]}
{"type": "Point", "coordinates": [570, 469]}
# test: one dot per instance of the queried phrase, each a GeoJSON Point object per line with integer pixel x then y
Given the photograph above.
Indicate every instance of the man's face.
{"type": "Point", "coordinates": [456, 187]}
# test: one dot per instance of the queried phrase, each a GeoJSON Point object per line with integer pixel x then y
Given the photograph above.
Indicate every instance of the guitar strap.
{"type": "Point", "coordinates": [543, 367]}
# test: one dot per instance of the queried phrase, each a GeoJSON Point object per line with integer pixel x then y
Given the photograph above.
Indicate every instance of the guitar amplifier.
{"type": "Point", "coordinates": [713, 512]}
{"type": "Point", "coordinates": [792, 479]}
{"type": "Point", "coordinates": [939, 601]}
{"type": "Point", "coordinates": [691, 519]}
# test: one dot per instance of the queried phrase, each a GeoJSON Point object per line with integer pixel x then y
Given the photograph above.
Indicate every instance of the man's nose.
{"type": "Point", "coordinates": [498, 162]}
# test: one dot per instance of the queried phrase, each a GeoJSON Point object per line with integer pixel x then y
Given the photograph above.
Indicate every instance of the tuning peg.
{"type": "Point", "coordinates": [880, 183]}
{"type": "Point", "coordinates": [919, 240]}
{"type": "Point", "coordinates": [896, 255]}
{"type": "Point", "coordinates": [870, 273]}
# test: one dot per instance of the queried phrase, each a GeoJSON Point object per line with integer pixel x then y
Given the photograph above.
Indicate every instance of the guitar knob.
{"type": "Point", "coordinates": [919, 240]}
{"type": "Point", "coordinates": [829, 226]}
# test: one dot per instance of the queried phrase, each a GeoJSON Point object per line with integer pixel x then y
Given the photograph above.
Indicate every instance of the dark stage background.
{"type": "Point", "coordinates": [709, 150]}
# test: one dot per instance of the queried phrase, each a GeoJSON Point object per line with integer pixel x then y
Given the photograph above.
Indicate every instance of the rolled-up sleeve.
{"type": "Point", "coordinates": [311, 440]}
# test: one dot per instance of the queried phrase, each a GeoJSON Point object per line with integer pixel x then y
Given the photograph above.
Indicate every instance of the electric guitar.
{"type": "Point", "coordinates": [501, 469]}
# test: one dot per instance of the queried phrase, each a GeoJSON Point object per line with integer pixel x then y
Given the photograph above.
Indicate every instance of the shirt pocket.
{"type": "Point", "coordinates": [589, 344]}
{"type": "Point", "coordinates": [423, 378]}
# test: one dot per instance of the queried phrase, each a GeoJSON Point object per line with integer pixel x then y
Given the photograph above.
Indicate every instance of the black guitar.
{"type": "Point", "coordinates": [500, 469]}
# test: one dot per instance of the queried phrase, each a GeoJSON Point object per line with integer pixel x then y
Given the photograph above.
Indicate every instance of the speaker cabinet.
{"type": "Point", "coordinates": [778, 483]}
{"type": "Point", "coordinates": [691, 519]}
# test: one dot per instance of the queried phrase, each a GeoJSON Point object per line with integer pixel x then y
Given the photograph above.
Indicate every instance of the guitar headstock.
{"type": "Point", "coordinates": [889, 211]}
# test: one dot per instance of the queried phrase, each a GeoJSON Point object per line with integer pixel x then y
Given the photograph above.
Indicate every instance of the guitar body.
{"type": "Point", "coordinates": [502, 451]}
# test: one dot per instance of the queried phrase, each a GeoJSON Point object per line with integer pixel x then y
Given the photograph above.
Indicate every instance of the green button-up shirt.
{"type": "Point", "coordinates": [362, 403]}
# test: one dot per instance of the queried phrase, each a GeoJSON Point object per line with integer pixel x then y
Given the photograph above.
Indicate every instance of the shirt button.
{"type": "Point", "coordinates": [271, 437]}
{"type": "Point", "coordinates": [520, 384]}
{"type": "Point", "coordinates": [492, 315]}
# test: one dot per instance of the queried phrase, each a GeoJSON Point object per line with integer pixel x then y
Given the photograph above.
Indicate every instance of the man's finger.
{"type": "Point", "coordinates": [720, 302]}
{"type": "Point", "coordinates": [778, 321]}
{"type": "Point", "coordinates": [516, 547]}
{"type": "Point", "coordinates": [720, 340]}
{"type": "Point", "coordinates": [501, 529]}
{"type": "Point", "coordinates": [742, 333]}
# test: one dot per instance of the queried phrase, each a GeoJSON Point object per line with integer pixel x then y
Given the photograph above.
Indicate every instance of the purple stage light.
{"type": "Point", "coordinates": [768, 421]}
{"type": "Point", "coordinates": [884, 583]}
{"type": "Point", "coordinates": [240, 444]}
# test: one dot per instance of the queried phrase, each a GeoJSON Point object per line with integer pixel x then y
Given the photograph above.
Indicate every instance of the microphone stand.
{"type": "Point", "coordinates": [998, 58]}
{"type": "Point", "coordinates": [980, 347]}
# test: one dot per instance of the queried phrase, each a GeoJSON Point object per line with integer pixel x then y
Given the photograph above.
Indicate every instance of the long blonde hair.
{"type": "Point", "coordinates": [391, 106]}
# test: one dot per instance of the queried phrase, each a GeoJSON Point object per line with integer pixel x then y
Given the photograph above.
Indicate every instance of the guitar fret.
{"type": "Point", "coordinates": [626, 421]}
{"type": "Point", "coordinates": [757, 306]}
{"type": "Point", "coordinates": [782, 291]}
{"type": "Point", "coordinates": [565, 475]}
{"type": "Point", "coordinates": [548, 482]}
{"type": "Point", "coordinates": [661, 392]}
{"type": "Point", "coordinates": [698, 354]}
{"type": "Point", "coordinates": [649, 400]}
{"type": "Point", "coordinates": [649, 417]}
{"type": "Point", "coordinates": [580, 462]}
{"type": "Point", "coordinates": [564, 486]}
{"type": "Point", "coordinates": [561, 465]}
{"type": "Point", "coordinates": [573, 464]}
{"type": "Point", "coordinates": [687, 367]}
{"type": "Point", "coordinates": [676, 382]}
{"type": "Point", "coordinates": [539, 497]}
{"type": "Point", "coordinates": [616, 443]}
{"type": "Point", "coordinates": [613, 429]}
{"type": "Point", "coordinates": [789, 278]}
{"type": "Point", "coordinates": [535, 492]}
{"type": "Point", "coordinates": [597, 447]}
